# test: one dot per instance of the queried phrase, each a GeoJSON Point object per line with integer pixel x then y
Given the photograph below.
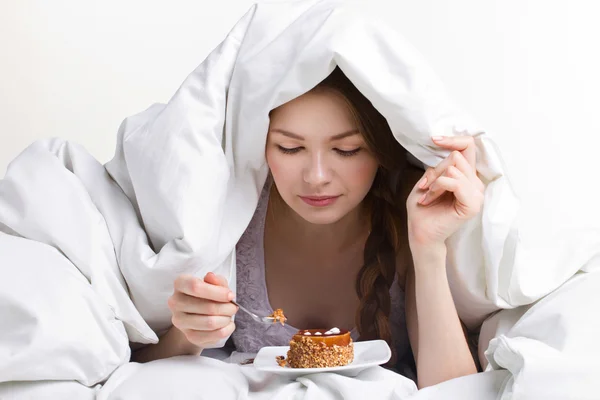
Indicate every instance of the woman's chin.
{"type": "Point", "coordinates": [320, 216]}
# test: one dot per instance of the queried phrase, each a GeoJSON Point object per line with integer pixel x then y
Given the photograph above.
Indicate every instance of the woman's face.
{"type": "Point", "coordinates": [319, 161]}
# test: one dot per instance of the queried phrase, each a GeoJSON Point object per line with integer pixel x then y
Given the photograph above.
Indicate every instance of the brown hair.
{"type": "Point", "coordinates": [387, 209]}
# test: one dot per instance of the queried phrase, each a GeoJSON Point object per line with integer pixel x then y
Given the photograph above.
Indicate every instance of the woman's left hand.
{"type": "Point", "coordinates": [446, 196]}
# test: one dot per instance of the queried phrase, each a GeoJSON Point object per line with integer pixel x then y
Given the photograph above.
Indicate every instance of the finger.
{"type": "Point", "coordinates": [426, 178]}
{"type": "Point", "coordinates": [185, 284]}
{"type": "Point", "coordinates": [454, 159]}
{"type": "Point", "coordinates": [203, 337]}
{"type": "Point", "coordinates": [464, 143]}
{"type": "Point", "coordinates": [436, 190]}
{"type": "Point", "coordinates": [215, 279]}
{"type": "Point", "coordinates": [181, 302]}
{"type": "Point", "coordinates": [462, 190]}
{"type": "Point", "coordinates": [193, 286]}
{"type": "Point", "coordinates": [463, 166]}
{"type": "Point", "coordinates": [200, 322]}
{"type": "Point", "coordinates": [442, 185]}
{"type": "Point", "coordinates": [467, 170]}
{"type": "Point", "coordinates": [432, 173]}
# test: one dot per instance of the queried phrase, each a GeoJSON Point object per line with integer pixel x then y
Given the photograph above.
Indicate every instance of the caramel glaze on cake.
{"type": "Point", "coordinates": [318, 348]}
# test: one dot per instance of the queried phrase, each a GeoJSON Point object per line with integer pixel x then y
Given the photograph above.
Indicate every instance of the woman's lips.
{"type": "Point", "coordinates": [319, 201]}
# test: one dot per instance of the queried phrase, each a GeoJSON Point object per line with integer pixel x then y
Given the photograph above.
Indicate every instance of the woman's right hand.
{"type": "Point", "coordinates": [202, 309]}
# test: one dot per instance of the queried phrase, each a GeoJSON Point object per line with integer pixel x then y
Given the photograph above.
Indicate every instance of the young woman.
{"type": "Point", "coordinates": [343, 236]}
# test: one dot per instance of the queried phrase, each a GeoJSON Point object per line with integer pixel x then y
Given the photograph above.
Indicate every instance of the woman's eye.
{"type": "Point", "coordinates": [347, 153]}
{"type": "Point", "coordinates": [287, 150]}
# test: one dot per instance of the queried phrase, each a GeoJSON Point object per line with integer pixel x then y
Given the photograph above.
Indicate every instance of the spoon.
{"type": "Point", "coordinates": [264, 320]}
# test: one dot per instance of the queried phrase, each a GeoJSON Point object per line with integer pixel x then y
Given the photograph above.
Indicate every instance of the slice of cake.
{"type": "Point", "coordinates": [278, 316]}
{"type": "Point", "coordinates": [319, 348]}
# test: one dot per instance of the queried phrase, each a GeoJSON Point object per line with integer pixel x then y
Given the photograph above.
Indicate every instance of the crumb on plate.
{"type": "Point", "coordinates": [281, 361]}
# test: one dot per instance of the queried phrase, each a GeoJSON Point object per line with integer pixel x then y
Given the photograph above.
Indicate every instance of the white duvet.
{"type": "Point", "coordinates": [89, 252]}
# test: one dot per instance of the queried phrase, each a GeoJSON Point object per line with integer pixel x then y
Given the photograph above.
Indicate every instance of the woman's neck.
{"type": "Point", "coordinates": [321, 239]}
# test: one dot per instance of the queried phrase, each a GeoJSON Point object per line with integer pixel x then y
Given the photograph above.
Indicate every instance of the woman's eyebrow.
{"type": "Point", "coordinates": [342, 135]}
{"type": "Point", "coordinates": [334, 137]}
{"type": "Point", "coordinates": [287, 133]}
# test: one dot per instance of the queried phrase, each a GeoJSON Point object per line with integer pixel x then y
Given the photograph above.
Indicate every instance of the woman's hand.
{"type": "Point", "coordinates": [446, 196]}
{"type": "Point", "coordinates": [202, 309]}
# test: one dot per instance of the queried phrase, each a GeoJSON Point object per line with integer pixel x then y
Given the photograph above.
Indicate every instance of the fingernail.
{"type": "Point", "coordinates": [422, 198]}
{"type": "Point", "coordinates": [422, 182]}
{"type": "Point", "coordinates": [438, 138]}
{"type": "Point", "coordinates": [230, 296]}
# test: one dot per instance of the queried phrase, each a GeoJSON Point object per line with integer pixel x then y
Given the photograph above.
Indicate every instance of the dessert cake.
{"type": "Point", "coordinates": [278, 316]}
{"type": "Point", "coordinates": [318, 348]}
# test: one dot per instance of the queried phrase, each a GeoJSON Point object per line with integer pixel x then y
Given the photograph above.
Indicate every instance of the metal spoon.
{"type": "Point", "coordinates": [264, 320]}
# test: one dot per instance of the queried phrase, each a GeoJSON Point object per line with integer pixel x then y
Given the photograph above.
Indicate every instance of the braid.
{"type": "Point", "coordinates": [376, 276]}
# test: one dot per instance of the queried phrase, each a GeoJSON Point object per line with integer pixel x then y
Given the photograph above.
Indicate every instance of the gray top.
{"type": "Point", "coordinates": [250, 336]}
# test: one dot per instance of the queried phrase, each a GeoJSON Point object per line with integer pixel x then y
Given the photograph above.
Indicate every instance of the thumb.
{"type": "Point", "coordinates": [214, 279]}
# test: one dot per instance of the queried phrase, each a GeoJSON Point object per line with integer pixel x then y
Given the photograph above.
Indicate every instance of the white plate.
{"type": "Point", "coordinates": [366, 354]}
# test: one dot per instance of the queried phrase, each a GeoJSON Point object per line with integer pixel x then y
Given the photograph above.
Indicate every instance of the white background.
{"type": "Point", "coordinates": [527, 70]}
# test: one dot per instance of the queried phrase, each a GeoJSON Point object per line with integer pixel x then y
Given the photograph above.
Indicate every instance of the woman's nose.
{"type": "Point", "coordinates": [318, 172]}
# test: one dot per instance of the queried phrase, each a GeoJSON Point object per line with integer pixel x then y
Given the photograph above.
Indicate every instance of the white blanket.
{"type": "Point", "coordinates": [88, 253]}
